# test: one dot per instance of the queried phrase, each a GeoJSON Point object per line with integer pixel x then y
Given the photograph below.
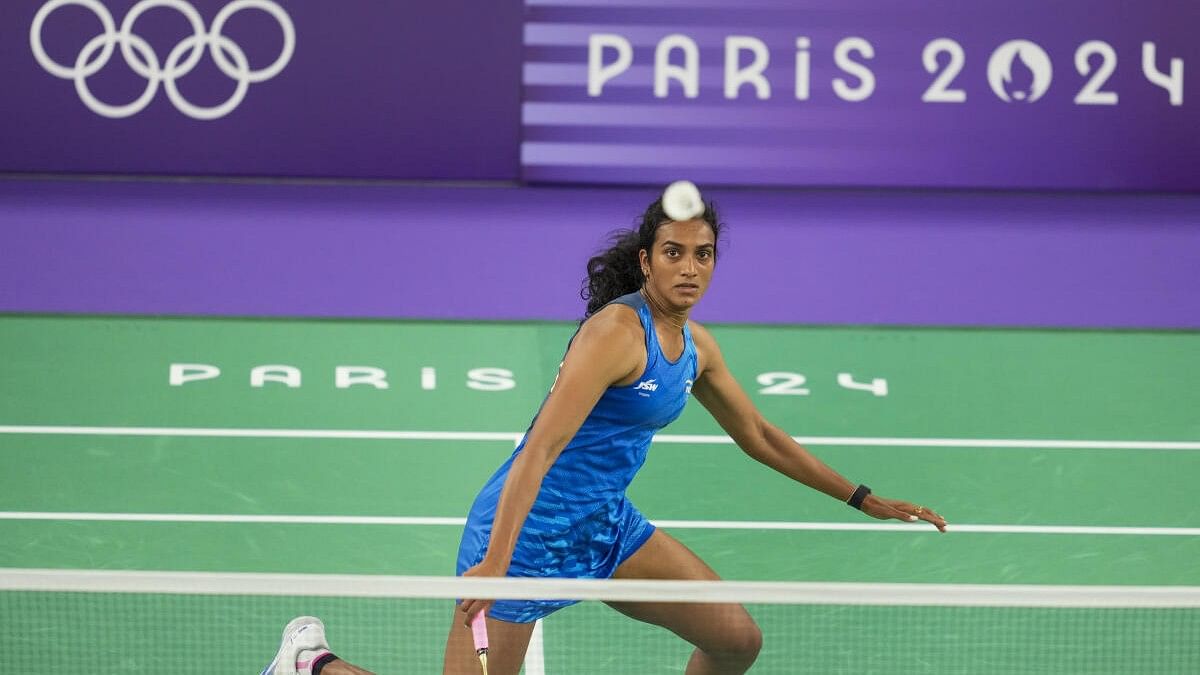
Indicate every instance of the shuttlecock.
{"type": "Point", "coordinates": [681, 200]}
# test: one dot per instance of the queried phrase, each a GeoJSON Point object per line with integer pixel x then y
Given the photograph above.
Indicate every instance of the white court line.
{"type": "Point", "coordinates": [668, 524]}
{"type": "Point", "coordinates": [535, 653]}
{"type": "Point", "coordinates": [350, 434]}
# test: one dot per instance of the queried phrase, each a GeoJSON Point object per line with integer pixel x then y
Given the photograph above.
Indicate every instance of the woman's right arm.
{"type": "Point", "coordinates": [607, 349]}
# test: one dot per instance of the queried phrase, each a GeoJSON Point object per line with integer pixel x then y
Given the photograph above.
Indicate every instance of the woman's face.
{"type": "Point", "coordinates": [680, 267]}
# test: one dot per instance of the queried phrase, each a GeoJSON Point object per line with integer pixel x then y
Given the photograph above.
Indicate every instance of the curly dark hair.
{"type": "Point", "coordinates": [617, 271]}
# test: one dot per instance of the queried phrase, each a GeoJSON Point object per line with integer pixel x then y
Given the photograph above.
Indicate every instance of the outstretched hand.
{"type": "Point", "coordinates": [887, 509]}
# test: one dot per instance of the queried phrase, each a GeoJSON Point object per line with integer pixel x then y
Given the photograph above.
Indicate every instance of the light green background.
{"type": "Point", "coordinates": [962, 384]}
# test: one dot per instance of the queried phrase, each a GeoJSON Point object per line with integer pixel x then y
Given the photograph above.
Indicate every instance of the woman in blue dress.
{"type": "Point", "coordinates": [557, 507]}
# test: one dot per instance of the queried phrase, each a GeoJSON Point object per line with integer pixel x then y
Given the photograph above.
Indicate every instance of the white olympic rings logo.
{"type": "Point", "coordinates": [141, 57]}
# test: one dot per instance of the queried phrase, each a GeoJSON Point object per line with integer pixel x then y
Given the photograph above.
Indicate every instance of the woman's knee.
{"type": "Point", "coordinates": [738, 643]}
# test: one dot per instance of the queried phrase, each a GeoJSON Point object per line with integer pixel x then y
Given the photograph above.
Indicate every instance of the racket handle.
{"type": "Point", "coordinates": [479, 633]}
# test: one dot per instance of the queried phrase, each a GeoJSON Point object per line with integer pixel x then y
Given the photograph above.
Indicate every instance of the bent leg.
{"type": "Point", "coordinates": [725, 636]}
{"type": "Point", "coordinates": [506, 651]}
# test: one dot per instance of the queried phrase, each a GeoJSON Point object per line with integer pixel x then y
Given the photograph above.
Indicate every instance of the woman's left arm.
{"type": "Point", "coordinates": [720, 393]}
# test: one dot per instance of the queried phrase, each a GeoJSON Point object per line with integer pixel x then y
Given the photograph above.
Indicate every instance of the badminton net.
{"type": "Point", "coordinates": [62, 621]}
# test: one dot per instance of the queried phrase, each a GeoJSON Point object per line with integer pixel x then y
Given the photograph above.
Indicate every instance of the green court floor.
{"type": "Point", "coordinates": [1058, 457]}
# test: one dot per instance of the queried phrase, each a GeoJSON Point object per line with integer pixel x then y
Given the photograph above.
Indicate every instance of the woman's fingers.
{"type": "Point", "coordinates": [928, 515]}
{"type": "Point", "coordinates": [470, 608]}
{"type": "Point", "coordinates": [932, 516]}
{"type": "Point", "coordinates": [900, 510]}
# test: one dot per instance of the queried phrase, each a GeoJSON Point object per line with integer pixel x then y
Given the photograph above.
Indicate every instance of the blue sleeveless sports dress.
{"type": "Point", "coordinates": [582, 525]}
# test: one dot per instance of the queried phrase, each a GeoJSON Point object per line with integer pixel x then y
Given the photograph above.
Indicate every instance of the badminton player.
{"type": "Point", "coordinates": [557, 507]}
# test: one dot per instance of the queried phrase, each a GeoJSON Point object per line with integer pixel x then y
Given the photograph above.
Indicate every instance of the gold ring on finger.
{"type": "Point", "coordinates": [920, 510]}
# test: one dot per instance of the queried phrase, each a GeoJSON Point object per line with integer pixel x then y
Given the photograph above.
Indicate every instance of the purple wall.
{"type": "Point", "coordinates": [440, 90]}
{"type": "Point", "coordinates": [816, 257]}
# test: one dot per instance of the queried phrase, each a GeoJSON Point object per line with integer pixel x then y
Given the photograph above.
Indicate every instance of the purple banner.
{"type": "Point", "coordinates": [1075, 94]}
{"type": "Point", "coordinates": [422, 90]}
{"type": "Point", "coordinates": [787, 256]}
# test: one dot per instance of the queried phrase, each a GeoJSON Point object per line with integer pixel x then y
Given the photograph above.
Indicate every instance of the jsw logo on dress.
{"type": "Point", "coordinates": [647, 385]}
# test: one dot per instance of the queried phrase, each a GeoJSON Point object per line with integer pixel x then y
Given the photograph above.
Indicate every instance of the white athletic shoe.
{"type": "Point", "coordinates": [303, 643]}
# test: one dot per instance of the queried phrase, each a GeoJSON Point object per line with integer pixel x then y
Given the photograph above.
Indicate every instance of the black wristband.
{"type": "Point", "coordinates": [856, 499]}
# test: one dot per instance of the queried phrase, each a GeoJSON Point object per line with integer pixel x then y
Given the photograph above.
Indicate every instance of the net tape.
{"type": "Point", "coordinates": [748, 592]}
